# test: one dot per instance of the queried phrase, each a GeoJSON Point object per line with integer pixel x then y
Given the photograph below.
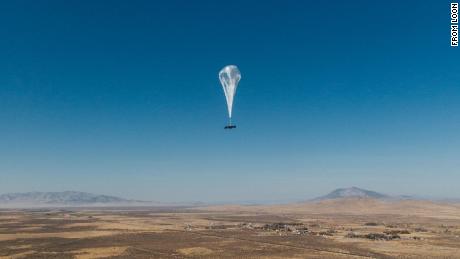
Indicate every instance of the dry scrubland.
{"type": "Point", "coordinates": [350, 228]}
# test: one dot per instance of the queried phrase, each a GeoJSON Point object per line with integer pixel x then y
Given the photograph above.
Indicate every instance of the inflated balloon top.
{"type": "Point", "coordinates": [229, 77]}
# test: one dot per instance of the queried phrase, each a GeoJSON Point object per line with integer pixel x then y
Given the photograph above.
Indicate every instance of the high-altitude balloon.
{"type": "Point", "coordinates": [229, 77]}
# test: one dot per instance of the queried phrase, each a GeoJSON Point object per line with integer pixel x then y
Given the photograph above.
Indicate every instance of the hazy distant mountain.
{"type": "Point", "coordinates": [68, 198]}
{"type": "Point", "coordinates": [352, 192]}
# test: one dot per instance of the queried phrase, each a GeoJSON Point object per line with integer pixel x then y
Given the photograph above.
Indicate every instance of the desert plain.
{"type": "Point", "coordinates": [338, 228]}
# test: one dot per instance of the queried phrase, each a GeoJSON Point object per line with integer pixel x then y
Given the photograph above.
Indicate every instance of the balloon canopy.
{"type": "Point", "coordinates": [229, 77]}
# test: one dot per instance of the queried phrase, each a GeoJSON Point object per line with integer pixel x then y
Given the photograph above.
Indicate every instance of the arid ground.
{"type": "Point", "coordinates": [346, 228]}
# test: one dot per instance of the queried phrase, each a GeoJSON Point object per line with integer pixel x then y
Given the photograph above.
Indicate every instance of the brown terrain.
{"type": "Point", "coordinates": [341, 228]}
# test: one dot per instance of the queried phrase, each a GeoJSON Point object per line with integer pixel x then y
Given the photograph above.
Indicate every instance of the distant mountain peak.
{"type": "Point", "coordinates": [352, 192]}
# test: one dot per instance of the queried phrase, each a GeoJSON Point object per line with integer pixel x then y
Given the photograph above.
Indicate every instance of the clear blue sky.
{"type": "Point", "coordinates": [122, 98]}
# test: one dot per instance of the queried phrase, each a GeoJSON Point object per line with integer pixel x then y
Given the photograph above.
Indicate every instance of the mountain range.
{"type": "Point", "coordinates": [82, 199]}
{"type": "Point", "coordinates": [352, 192]}
{"type": "Point", "coordinates": [67, 198]}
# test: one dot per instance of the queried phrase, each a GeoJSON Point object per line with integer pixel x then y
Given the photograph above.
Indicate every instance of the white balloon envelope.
{"type": "Point", "coordinates": [229, 77]}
